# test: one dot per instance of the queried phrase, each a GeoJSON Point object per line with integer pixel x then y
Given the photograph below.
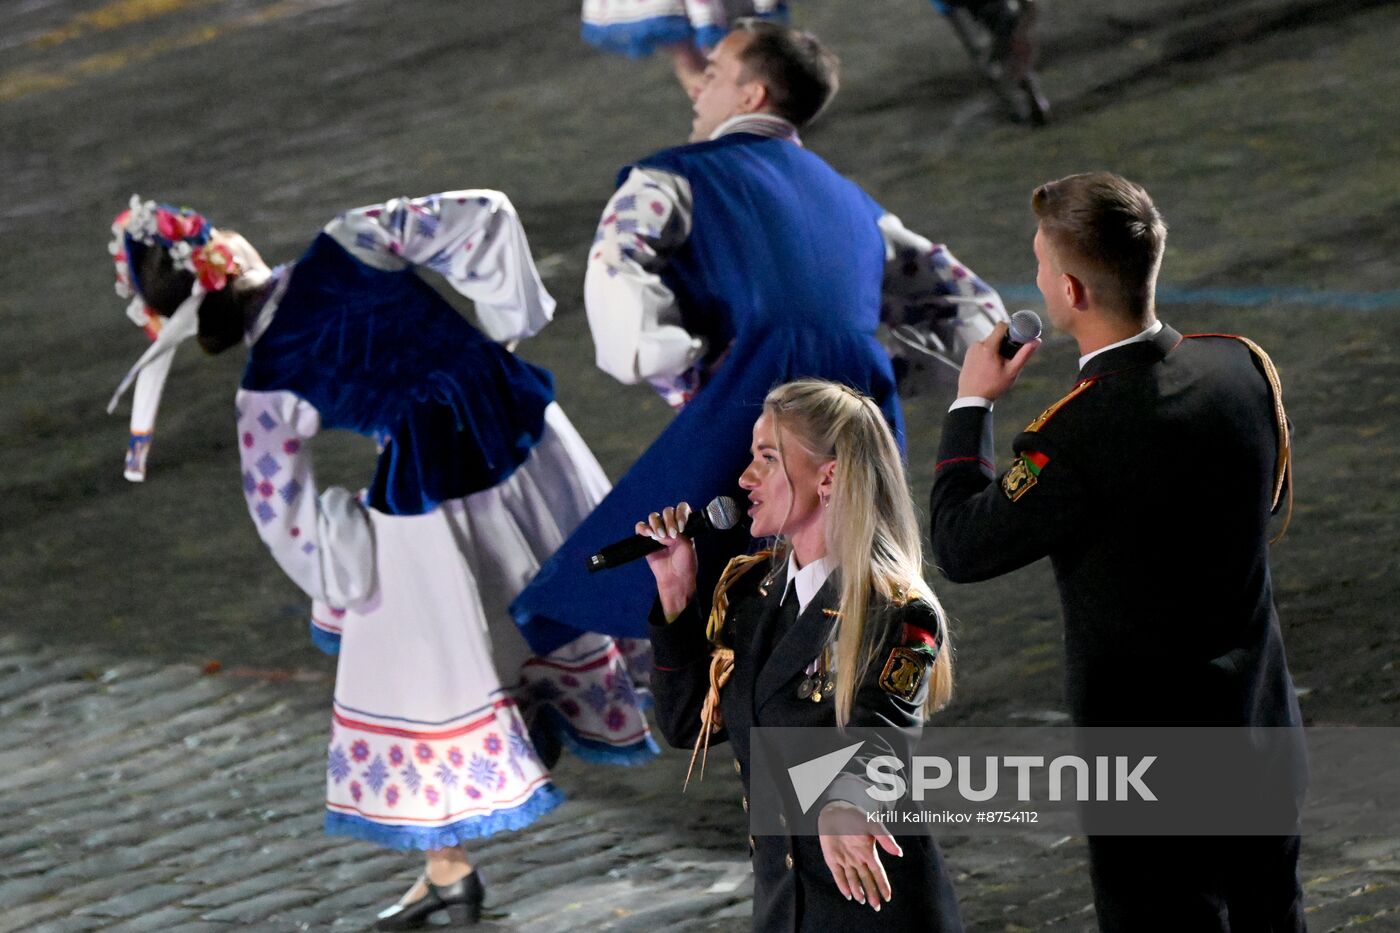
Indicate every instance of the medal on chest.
{"type": "Point", "coordinates": [819, 680]}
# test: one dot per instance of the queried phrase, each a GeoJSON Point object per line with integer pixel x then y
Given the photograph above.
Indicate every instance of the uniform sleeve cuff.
{"type": "Point", "coordinates": [678, 643]}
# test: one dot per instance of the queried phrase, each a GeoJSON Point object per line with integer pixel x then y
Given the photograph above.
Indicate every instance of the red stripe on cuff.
{"type": "Point", "coordinates": [942, 463]}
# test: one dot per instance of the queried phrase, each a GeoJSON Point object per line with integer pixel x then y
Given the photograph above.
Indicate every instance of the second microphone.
{"type": "Point", "coordinates": [721, 514]}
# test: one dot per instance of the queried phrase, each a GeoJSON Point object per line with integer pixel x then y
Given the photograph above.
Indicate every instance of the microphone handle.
{"type": "Point", "coordinates": [1009, 347]}
{"type": "Point", "coordinates": [623, 552]}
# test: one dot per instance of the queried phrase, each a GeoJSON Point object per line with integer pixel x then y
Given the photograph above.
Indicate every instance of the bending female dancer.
{"type": "Point", "coordinates": [833, 626]}
{"type": "Point", "coordinates": [480, 477]}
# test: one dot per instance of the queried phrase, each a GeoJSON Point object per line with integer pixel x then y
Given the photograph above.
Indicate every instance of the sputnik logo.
{"type": "Point", "coordinates": [811, 778]}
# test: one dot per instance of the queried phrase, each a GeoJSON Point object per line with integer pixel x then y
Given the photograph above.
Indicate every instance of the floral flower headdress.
{"type": "Point", "coordinates": [188, 238]}
{"type": "Point", "coordinates": [185, 235]}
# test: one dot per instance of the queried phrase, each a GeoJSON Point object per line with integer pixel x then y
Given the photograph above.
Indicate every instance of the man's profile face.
{"type": "Point", "coordinates": [726, 90]}
{"type": "Point", "coordinates": [1050, 279]}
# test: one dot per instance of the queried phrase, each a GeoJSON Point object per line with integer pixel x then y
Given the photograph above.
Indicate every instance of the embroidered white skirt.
{"type": "Point", "coordinates": [437, 694]}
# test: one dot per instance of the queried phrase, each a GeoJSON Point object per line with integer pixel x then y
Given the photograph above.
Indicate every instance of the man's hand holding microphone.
{"type": "Point", "coordinates": [991, 366]}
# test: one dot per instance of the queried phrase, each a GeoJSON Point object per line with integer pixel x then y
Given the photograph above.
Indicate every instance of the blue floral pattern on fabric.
{"type": "Point", "coordinates": [411, 778]}
{"type": "Point", "coordinates": [338, 765]}
{"type": "Point", "coordinates": [376, 774]}
{"type": "Point", "coordinates": [483, 771]}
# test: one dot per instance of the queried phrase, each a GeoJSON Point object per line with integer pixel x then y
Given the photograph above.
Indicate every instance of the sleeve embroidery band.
{"type": "Point", "coordinates": [905, 672]}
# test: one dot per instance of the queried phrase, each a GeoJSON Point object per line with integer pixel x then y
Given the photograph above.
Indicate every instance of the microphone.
{"type": "Point", "coordinates": [1024, 327]}
{"type": "Point", "coordinates": [721, 514]}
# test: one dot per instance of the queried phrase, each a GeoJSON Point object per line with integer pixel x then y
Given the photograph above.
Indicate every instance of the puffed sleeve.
{"type": "Point", "coordinates": [324, 543]}
{"type": "Point", "coordinates": [634, 317]}
{"type": "Point", "coordinates": [932, 308]}
{"type": "Point", "coordinates": [473, 239]}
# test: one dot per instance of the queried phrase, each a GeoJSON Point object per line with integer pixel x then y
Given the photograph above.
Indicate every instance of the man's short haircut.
{"type": "Point", "coordinates": [800, 73]}
{"type": "Point", "coordinates": [1106, 231]}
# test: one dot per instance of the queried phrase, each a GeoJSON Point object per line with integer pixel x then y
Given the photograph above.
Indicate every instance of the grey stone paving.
{"type": "Point", "coordinates": [142, 797]}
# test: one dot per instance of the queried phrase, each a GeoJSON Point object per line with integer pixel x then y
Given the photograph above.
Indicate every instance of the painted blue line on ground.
{"type": "Point", "coordinates": [1246, 297]}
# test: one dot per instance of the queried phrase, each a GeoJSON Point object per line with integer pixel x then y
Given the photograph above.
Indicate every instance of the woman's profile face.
{"type": "Point", "coordinates": [782, 486]}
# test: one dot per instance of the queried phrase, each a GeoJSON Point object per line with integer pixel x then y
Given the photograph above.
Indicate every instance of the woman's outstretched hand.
{"type": "Point", "coordinates": [851, 844]}
{"type": "Point", "coordinates": [674, 567]}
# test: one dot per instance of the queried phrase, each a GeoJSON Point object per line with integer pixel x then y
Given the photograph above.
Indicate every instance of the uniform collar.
{"type": "Point", "coordinates": [806, 581]}
{"type": "Point", "coordinates": [1147, 334]}
{"type": "Point", "coordinates": [1148, 347]}
{"type": "Point", "coordinates": [758, 124]}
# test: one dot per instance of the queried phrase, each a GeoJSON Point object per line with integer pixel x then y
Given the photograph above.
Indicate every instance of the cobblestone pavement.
{"type": "Point", "coordinates": [144, 797]}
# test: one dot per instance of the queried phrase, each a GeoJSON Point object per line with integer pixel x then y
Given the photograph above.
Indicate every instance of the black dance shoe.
{"type": "Point", "coordinates": [461, 899]}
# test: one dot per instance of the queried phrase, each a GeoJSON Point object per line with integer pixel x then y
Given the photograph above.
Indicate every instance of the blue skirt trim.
{"type": "Point", "coordinates": [328, 642]}
{"type": "Point", "coordinates": [409, 838]}
{"type": "Point", "coordinates": [707, 37]}
{"type": "Point", "coordinates": [592, 750]}
{"type": "Point", "coordinates": [640, 38]}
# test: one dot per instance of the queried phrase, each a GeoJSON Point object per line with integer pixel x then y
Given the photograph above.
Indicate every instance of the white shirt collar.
{"type": "Point", "coordinates": [759, 124]}
{"type": "Point", "coordinates": [806, 581]}
{"type": "Point", "coordinates": [1138, 338]}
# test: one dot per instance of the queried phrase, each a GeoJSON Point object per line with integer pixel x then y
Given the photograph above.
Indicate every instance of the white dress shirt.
{"type": "Point", "coordinates": [805, 582]}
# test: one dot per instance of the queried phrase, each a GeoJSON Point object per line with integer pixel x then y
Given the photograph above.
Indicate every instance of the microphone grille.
{"type": "Point", "coordinates": [723, 513]}
{"type": "Point", "coordinates": [1024, 326]}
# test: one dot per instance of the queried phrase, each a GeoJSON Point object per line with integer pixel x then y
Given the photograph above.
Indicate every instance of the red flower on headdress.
{"type": "Point", "coordinates": [215, 264]}
{"type": "Point", "coordinates": [176, 227]}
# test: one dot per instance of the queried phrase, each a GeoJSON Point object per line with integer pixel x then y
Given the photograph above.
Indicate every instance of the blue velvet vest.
{"type": "Point", "coordinates": [782, 273]}
{"type": "Point", "coordinates": [382, 354]}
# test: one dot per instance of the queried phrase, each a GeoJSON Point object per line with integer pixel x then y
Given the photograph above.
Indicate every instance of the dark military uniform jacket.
{"type": "Point", "coordinates": [1150, 487]}
{"type": "Point", "coordinates": [793, 888]}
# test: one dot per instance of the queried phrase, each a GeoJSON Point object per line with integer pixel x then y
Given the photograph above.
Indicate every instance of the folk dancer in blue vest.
{"type": "Point", "coordinates": [444, 723]}
{"type": "Point", "coordinates": [726, 267]}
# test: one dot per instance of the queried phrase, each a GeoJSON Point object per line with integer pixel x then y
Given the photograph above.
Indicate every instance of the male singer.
{"type": "Point", "coordinates": [1150, 487]}
{"type": "Point", "coordinates": [728, 266]}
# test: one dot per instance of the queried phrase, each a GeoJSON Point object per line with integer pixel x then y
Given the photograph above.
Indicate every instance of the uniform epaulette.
{"type": "Point", "coordinates": [1283, 465]}
{"type": "Point", "coordinates": [1049, 413]}
{"type": "Point", "coordinates": [912, 635]}
{"type": "Point", "coordinates": [921, 639]}
{"type": "Point", "coordinates": [735, 569]}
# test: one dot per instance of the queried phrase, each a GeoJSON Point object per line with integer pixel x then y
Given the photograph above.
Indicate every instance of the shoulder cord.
{"type": "Point", "coordinates": [721, 660]}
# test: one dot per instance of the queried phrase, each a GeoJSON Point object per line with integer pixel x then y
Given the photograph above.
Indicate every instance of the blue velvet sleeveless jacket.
{"type": "Point", "coordinates": [382, 354]}
{"type": "Point", "coordinates": [782, 274]}
{"type": "Point", "coordinates": [785, 261]}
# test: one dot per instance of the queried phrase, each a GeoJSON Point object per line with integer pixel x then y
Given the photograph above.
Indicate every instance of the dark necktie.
{"type": "Point", "coordinates": [783, 619]}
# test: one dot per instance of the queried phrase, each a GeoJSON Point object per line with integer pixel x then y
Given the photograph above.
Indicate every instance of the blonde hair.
{"type": "Point", "coordinates": [872, 535]}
